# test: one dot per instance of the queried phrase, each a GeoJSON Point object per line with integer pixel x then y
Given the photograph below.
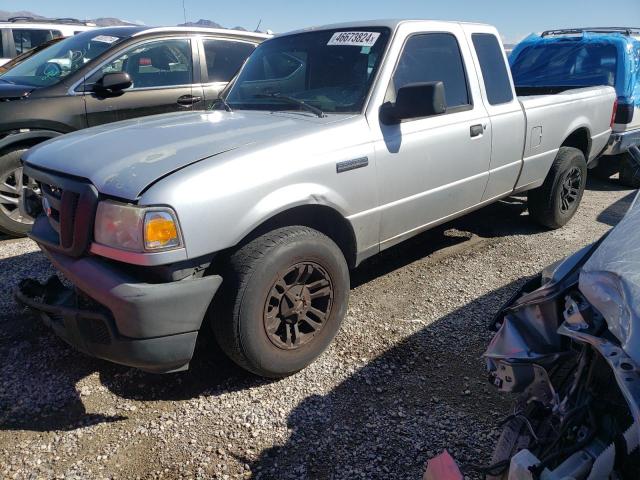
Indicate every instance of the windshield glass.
{"type": "Point", "coordinates": [565, 64]}
{"type": "Point", "coordinates": [330, 69]}
{"type": "Point", "coordinates": [53, 64]}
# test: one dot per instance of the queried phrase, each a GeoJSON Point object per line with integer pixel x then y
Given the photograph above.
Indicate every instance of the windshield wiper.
{"type": "Point", "coordinates": [300, 103]}
{"type": "Point", "coordinates": [224, 103]}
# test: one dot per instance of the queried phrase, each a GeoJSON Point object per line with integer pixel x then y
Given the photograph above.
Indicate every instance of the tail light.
{"type": "Point", "coordinates": [613, 114]}
{"type": "Point", "coordinates": [624, 114]}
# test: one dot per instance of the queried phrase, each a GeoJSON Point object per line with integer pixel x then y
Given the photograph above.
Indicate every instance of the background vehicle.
{"type": "Point", "coordinates": [29, 53]}
{"type": "Point", "coordinates": [102, 76]}
{"type": "Point", "coordinates": [331, 145]}
{"type": "Point", "coordinates": [20, 34]}
{"type": "Point", "coordinates": [578, 57]}
{"type": "Point", "coordinates": [568, 344]}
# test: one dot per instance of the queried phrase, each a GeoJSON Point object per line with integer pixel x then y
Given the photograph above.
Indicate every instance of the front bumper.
{"type": "Point", "coordinates": [116, 317]}
{"type": "Point", "coordinates": [621, 142]}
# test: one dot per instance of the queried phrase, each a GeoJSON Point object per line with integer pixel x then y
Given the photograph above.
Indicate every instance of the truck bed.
{"type": "Point", "coordinates": [550, 119]}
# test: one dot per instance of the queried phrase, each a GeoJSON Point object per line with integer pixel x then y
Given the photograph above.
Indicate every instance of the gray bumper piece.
{"type": "Point", "coordinates": [152, 327]}
{"type": "Point", "coordinates": [622, 142]}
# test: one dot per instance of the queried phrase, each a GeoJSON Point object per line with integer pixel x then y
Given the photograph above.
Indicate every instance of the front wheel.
{"type": "Point", "coordinates": [13, 220]}
{"type": "Point", "coordinates": [283, 298]}
{"type": "Point", "coordinates": [557, 200]}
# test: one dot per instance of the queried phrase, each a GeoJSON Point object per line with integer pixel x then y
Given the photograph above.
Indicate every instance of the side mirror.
{"type": "Point", "coordinates": [416, 100]}
{"type": "Point", "coordinates": [113, 83]}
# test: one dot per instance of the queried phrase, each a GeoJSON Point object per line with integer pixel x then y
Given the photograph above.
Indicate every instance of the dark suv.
{"type": "Point", "coordinates": [105, 75]}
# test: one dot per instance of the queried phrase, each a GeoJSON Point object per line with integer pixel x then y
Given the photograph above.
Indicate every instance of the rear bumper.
{"type": "Point", "coordinates": [112, 316]}
{"type": "Point", "coordinates": [621, 142]}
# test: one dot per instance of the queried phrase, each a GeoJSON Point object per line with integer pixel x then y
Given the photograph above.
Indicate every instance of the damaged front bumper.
{"type": "Point", "coordinates": [114, 316]}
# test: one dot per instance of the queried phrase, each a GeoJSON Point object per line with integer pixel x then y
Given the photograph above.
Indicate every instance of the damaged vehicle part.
{"type": "Point", "coordinates": [569, 348]}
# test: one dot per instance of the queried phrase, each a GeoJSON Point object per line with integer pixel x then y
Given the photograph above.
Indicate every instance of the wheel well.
{"type": "Point", "coordinates": [26, 143]}
{"type": "Point", "coordinates": [319, 217]}
{"type": "Point", "coordinates": [581, 140]}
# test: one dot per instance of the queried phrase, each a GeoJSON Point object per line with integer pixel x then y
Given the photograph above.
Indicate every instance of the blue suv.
{"type": "Point", "coordinates": [558, 60]}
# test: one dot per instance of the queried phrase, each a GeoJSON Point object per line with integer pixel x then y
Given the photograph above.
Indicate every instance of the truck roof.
{"type": "Point", "coordinates": [390, 23]}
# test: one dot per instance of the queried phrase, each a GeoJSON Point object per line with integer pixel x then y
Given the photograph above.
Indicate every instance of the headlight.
{"type": "Point", "coordinates": [136, 229]}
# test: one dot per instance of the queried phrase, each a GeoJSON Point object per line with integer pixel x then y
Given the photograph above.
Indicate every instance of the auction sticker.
{"type": "Point", "coordinates": [105, 39]}
{"type": "Point", "coordinates": [354, 39]}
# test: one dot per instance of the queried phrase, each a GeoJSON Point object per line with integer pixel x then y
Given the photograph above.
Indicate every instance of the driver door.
{"type": "Point", "coordinates": [433, 167]}
{"type": "Point", "coordinates": [162, 72]}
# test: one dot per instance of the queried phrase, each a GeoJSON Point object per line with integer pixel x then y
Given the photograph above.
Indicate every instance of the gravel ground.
{"type": "Point", "coordinates": [403, 380]}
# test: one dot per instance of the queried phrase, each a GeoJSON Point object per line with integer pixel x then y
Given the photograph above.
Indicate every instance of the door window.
{"type": "Point", "coordinates": [224, 58]}
{"type": "Point", "coordinates": [493, 67]}
{"type": "Point", "coordinates": [164, 63]}
{"type": "Point", "coordinates": [433, 57]}
{"type": "Point", "coordinates": [26, 39]}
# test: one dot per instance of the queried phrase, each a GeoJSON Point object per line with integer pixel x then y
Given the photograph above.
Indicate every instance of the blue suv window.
{"type": "Point", "coordinates": [568, 64]}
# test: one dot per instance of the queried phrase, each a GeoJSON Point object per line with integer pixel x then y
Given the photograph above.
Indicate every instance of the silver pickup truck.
{"type": "Point", "coordinates": [332, 144]}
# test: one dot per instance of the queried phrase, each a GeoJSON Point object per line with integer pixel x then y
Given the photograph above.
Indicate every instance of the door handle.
{"type": "Point", "coordinates": [188, 100]}
{"type": "Point", "coordinates": [476, 130]}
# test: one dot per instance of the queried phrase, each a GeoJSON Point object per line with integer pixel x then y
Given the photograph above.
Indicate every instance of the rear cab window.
{"type": "Point", "coordinates": [433, 57]}
{"type": "Point", "coordinates": [493, 67]}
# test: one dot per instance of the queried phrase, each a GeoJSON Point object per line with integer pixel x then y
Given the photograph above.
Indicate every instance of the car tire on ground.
{"type": "Point", "coordinates": [12, 221]}
{"type": "Point", "coordinates": [557, 200]}
{"type": "Point", "coordinates": [282, 301]}
{"type": "Point", "coordinates": [629, 172]}
{"type": "Point", "coordinates": [607, 166]}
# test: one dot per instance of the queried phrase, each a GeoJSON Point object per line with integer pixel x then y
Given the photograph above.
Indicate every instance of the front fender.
{"type": "Point", "coordinates": [286, 198]}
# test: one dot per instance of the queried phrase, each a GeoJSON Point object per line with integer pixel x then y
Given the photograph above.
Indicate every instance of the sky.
{"type": "Point", "coordinates": [515, 18]}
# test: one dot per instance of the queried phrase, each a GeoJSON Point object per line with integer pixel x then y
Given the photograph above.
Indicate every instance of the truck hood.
{"type": "Point", "coordinates": [122, 159]}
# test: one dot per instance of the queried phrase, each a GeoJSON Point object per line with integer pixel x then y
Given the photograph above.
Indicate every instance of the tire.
{"type": "Point", "coordinates": [557, 200]}
{"type": "Point", "coordinates": [13, 222]}
{"type": "Point", "coordinates": [629, 172]}
{"type": "Point", "coordinates": [607, 167]}
{"type": "Point", "coordinates": [259, 295]}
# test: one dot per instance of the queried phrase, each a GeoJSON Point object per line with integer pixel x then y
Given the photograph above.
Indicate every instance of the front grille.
{"type": "Point", "coordinates": [69, 205]}
{"type": "Point", "coordinates": [60, 208]}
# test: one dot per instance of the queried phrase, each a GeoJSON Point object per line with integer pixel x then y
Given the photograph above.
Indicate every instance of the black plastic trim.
{"type": "Point", "coordinates": [153, 327]}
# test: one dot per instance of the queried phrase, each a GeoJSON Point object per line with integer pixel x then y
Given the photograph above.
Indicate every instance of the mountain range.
{"type": "Point", "coordinates": [110, 21]}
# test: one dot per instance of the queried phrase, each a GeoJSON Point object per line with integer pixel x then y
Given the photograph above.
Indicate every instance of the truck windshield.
{"type": "Point", "coordinates": [573, 64]}
{"type": "Point", "coordinates": [53, 64]}
{"type": "Point", "coordinates": [331, 70]}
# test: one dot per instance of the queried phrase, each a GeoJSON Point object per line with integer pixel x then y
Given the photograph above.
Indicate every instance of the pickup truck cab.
{"type": "Point", "coordinates": [105, 75]}
{"type": "Point", "coordinates": [332, 144]}
{"type": "Point", "coordinates": [559, 60]}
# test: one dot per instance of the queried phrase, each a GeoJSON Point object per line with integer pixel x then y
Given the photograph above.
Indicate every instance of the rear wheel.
{"type": "Point", "coordinates": [557, 200]}
{"type": "Point", "coordinates": [282, 301]}
{"type": "Point", "coordinates": [629, 172]}
{"type": "Point", "coordinates": [13, 220]}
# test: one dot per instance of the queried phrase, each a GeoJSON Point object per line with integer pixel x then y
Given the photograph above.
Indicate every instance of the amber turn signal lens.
{"type": "Point", "coordinates": [160, 231]}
